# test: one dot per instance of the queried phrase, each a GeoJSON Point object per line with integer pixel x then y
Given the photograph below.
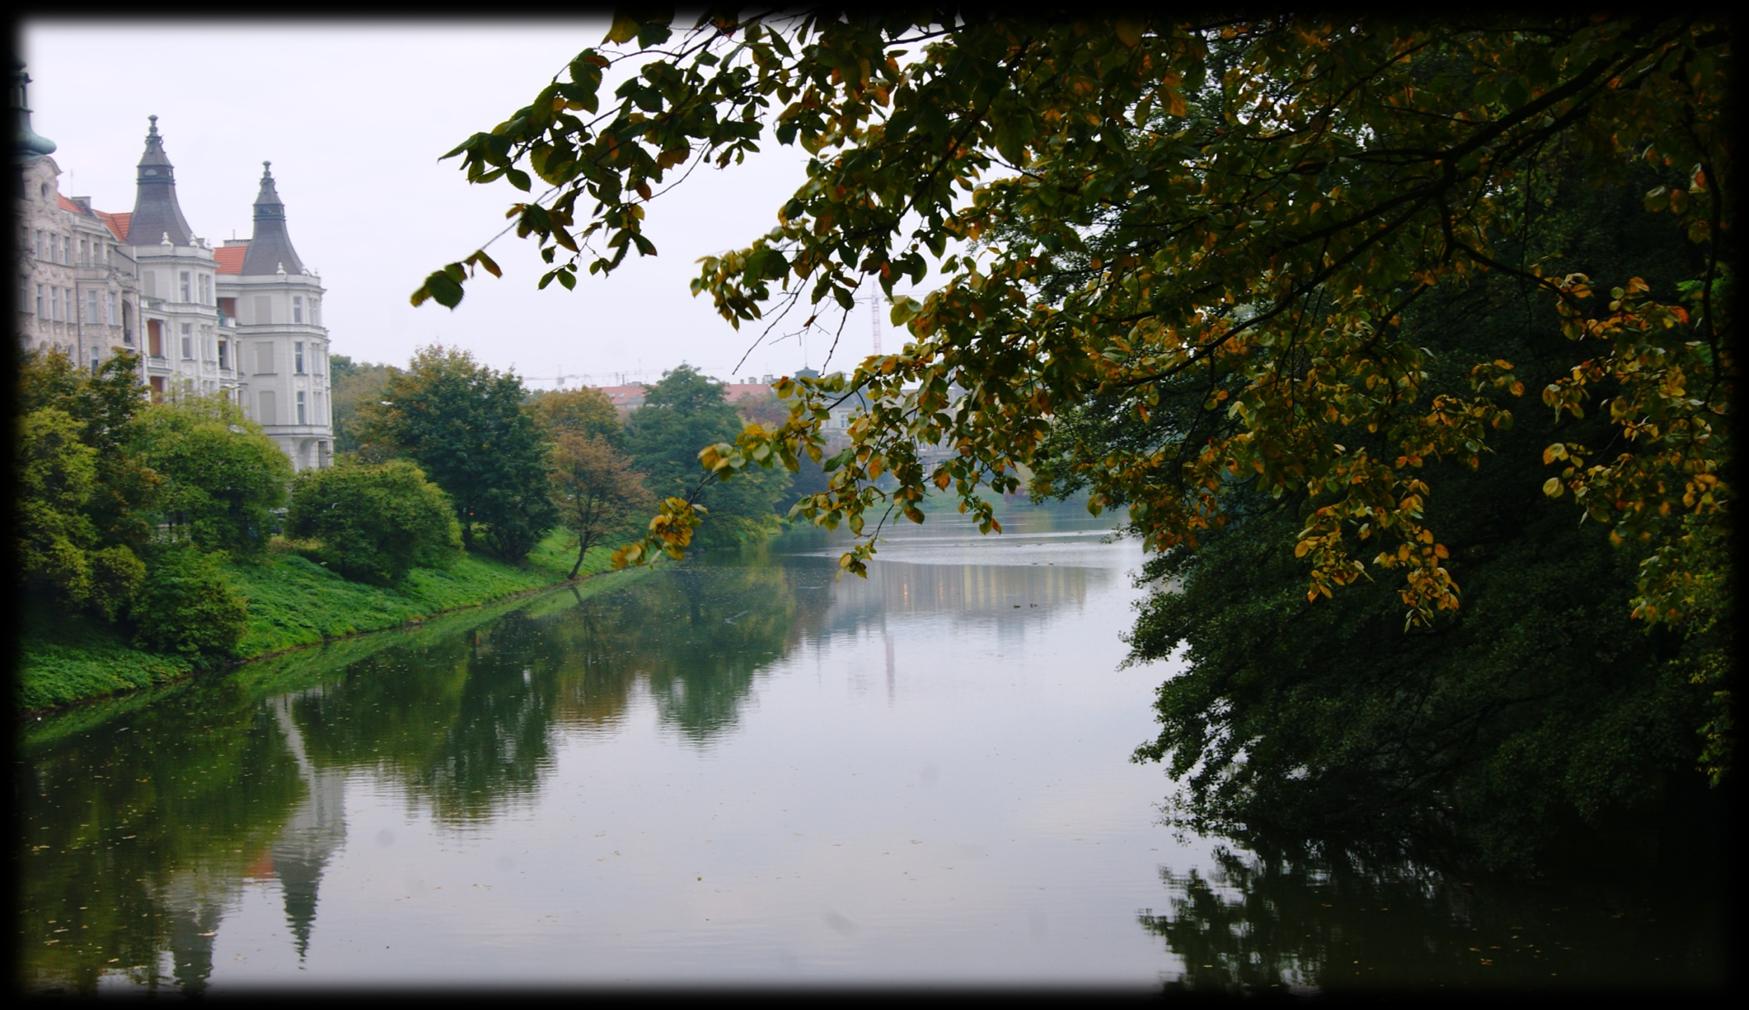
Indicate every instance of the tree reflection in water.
{"type": "Point", "coordinates": [1330, 921]}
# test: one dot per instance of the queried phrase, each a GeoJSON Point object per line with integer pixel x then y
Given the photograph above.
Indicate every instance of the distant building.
{"type": "Point", "coordinates": [243, 320]}
{"type": "Point", "coordinates": [625, 398]}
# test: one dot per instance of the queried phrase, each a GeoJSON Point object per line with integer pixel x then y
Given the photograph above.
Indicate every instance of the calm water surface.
{"type": "Point", "coordinates": [743, 771]}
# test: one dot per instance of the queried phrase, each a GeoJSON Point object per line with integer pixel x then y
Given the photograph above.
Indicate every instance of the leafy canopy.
{"type": "Point", "coordinates": [1271, 196]}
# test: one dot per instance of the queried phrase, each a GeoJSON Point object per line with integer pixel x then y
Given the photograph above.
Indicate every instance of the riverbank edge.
{"type": "Point", "coordinates": [107, 646]}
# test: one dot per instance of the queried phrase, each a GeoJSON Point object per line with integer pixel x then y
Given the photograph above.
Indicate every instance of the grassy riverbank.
{"type": "Point", "coordinates": [293, 602]}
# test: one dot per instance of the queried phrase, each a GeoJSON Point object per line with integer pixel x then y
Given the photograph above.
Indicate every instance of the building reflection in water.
{"type": "Point", "coordinates": [196, 898]}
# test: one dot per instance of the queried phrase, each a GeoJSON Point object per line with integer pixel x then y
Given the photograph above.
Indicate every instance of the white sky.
{"type": "Point", "coordinates": [354, 115]}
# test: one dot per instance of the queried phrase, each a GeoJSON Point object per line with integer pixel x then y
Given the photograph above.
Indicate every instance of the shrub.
{"type": "Point", "coordinates": [374, 523]}
{"type": "Point", "coordinates": [187, 606]}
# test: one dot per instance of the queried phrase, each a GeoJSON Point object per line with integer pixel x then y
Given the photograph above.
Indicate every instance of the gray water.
{"type": "Point", "coordinates": [745, 770]}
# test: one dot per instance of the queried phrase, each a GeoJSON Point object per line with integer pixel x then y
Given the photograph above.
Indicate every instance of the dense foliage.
{"type": "Point", "coordinates": [464, 424]}
{"type": "Point", "coordinates": [1220, 272]}
{"type": "Point", "coordinates": [126, 510]}
{"type": "Point", "coordinates": [77, 487]}
{"type": "Point", "coordinates": [374, 523]}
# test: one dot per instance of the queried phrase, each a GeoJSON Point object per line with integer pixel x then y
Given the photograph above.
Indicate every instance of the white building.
{"type": "Point", "coordinates": [243, 320]}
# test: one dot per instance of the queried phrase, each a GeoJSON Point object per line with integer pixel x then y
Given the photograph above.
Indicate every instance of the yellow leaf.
{"type": "Point", "coordinates": [624, 29]}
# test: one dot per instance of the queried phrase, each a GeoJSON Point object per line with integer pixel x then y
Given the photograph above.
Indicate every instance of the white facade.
{"type": "Point", "coordinates": [77, 284]}
{"type": "Point", "coordinates": [243, 320]}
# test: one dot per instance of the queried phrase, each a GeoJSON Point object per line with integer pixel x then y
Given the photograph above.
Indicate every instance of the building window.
{"type": "Point", "coordinates": [96, 362]}
{"type": "Point", "coordinates": [315, 311]}
{"type": "Point", "coordinates": [42, 303]}
{"type": "Point", "coordinates": [157, 389]}
{"type": "Point", "coordinates": [110, 315]}
{"type": "Point", "coordinates": [298, 357]}
{"type": "Point", "coordinates": [91, 306]}
{"type": "Point", "coordinates": [187, 341]}
{"type": "Point", "coordinates": [206, 290]}
{"type": "Point", "coordinates": [55, 303]}
{"type": "Point", "coordinates": [155, 337]}
{"type": "Point", "coordinates": [224, 357]}
{"type": "Point", "coordinates": [297, 308]}
{"type": "Point", "coordinates": [187, 294]}
{"type": "Point", "coordinates": [301, 407]}
{"type": "Point", "coordinates": [39, 244]}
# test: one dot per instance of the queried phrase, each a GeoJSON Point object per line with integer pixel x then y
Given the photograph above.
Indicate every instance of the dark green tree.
{"type": "Point", "coordinates": [466, 427]}
{"type": "Point", "coordinates": [683, 411]}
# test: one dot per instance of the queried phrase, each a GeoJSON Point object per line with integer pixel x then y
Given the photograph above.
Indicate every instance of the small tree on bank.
{"type": "Point", "coordinates": [597, 493]}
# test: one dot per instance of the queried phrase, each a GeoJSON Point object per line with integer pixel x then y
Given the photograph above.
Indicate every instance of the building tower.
{"type": "Point", "coordinates": [178, 295]}
{"type": "Point", "coordinates": [273, 305]}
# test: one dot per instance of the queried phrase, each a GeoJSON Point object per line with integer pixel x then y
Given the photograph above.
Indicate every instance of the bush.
{"type": "Point", "coordinates": [116, 575]}
{"type": "Point", "coordinates": [374, 523]}
{"type": "Point", "coordinates": [187, 606]}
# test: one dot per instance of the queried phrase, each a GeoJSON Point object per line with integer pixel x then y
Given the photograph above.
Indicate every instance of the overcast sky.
{"type": "Point", "coordinates": [354, 116]}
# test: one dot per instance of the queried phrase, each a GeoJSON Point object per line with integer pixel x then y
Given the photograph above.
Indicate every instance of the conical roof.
{"type": "Point", "coordinates": [270, 248]}
{"type": "Point", "coordinates": [29, 143]}
{"type": "Point", "coordinates": [156, 212]}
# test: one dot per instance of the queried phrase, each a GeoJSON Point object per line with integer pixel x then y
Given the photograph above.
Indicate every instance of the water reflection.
{"type": "Point", "coordinates": [134, 840]}
{"type": "Point", "coordinates": [1337, 921]}
{"type": "Point", "coordinates": [679, 775]}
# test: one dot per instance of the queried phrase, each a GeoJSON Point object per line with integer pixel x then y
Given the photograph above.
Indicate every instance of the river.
{"type": "Point", "coordinates": [744, 770]}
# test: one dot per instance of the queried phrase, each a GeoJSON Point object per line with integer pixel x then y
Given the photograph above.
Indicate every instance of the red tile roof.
{"type": "Point", "coordinates": [735, 392]}
{"type": "Point", "coordinates": [69, 205]}
{"type": "Point", "coordinates": [118, 223]}
{"type": "Point", "coordinates": [230, 258]}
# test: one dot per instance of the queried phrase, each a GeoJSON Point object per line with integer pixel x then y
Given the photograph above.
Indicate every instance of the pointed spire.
{"type": "Point", "coordinates": [270, 248]}
{"type": "Point", "coordinates": [28, 143]}
{"type": "Point", "coordinates": [155, 206]}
